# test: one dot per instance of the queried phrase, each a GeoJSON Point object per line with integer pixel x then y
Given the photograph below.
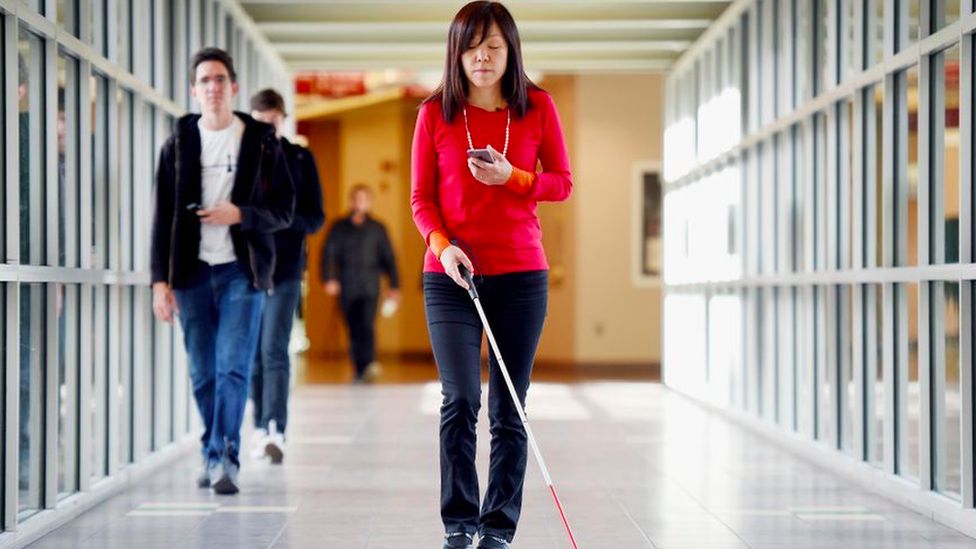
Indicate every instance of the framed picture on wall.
{"type": "Point", "coordinates": [648, 223]}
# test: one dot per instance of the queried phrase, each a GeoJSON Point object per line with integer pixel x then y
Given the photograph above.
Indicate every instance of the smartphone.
{"type": "Point", "coordinates": [481, 154]}
{"type": "Point", "coordinates": [193, 207]}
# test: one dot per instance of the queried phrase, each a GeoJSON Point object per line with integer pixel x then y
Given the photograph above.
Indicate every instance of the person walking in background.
{"type": "Point", "coordinates": [488, 208]}
{"type": "Point", "coordinates": [356, 252]}
{"type": "Point", "coordinates": [271, 374]}
{"type": "Point", "coordinates": [222, 190]}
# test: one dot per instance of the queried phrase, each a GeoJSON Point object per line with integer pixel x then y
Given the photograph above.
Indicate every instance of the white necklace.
{"type": "Point", "coordinates": [508, 124]}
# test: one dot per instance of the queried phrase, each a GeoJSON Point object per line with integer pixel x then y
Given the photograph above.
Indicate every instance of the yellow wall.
{"type": "Point", "coordinates": [619, 123]}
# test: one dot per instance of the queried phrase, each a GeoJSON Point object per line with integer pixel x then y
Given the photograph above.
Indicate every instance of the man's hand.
{"type": "Point", "coordinates": [332, 287]}
{"type": "Point", "coordinates": [222, 213]}
{"type": "Point", "coordinates": [164, 302]}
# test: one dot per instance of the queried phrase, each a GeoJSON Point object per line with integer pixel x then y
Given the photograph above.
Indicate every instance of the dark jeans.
{"type": "Point", "coordinates": [269, 379]}
{"type": "Point", "coordinates": [360, 313]}
{"type": "Point", "coordinates": [515, 305]}
{"type": "Point", "coordinates": [220, 313]}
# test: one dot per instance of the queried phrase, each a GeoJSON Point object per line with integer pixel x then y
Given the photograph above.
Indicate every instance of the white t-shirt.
{"type": "Point", "coordinates": [218, 162]}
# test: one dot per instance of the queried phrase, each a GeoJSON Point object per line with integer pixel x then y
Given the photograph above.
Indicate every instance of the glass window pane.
{"type": "Point", "coordinates": [874, 372]}
{"type": "Point", "coordinates": [911, 9]}
{"type": "Point", "coordinates": [848, 389]}
{"type": "Point", "coordinates": [853, 64]}
{"type": "Point", "coordinates": [909, 402]}
{"type": "Point", "coordinates": [67, 310]}
{"type": "Point", "coordinates": [100, 172]}
{"type": "Point", "coordinates": [97, 408]}
{"type": "Point", "coordinates": [875, 37]}
{"type": "Point", "coordinates": [36, 5]}
{"type": "Point", "coordinates": [32, 146]}
{"type": "Point", "coordinates": [874, 186]}
{"type": "Point", "coordinates": [32, 360]}
{"type": "Point", "coordinates": [99, 14]}
{"type": "Point", "coordinates": [945, 152]}
{"type": "Point", "coordinates": [825, 67]}
{"type": "Point", "coordinates": [906, 177]}
{"type": "Point", "coordinates": [944, 12]}
{"type": "Point", "coordinates": [947, 403]}
{"type": "Point", "coordinates": [68, 15]}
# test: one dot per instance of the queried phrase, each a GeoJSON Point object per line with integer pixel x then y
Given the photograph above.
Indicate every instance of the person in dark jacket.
{"type": "Point", "coordinates": [355, 254]}
{"type": "Point", "coordinates": [270, 376]}
{"type": "Point", "coordinates": [222, 190]}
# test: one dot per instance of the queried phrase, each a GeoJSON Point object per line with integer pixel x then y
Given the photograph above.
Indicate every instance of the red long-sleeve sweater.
{"type": "Point", "coordinates": [497, 225]}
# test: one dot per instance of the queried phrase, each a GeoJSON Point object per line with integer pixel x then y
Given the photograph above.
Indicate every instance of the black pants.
{"type": "Point", "coordinates": [515, 305]}
{"type": "Point", "coordinates": [360, 313]}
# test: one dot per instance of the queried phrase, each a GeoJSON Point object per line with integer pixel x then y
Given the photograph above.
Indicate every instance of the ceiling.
{"type": "Point", "coordinates": [558, 36]}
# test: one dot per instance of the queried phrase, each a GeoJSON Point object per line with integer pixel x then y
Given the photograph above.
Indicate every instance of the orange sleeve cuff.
{"type": "Point", "coordinates": [437, 242]}
{"type": "Point", "coordinates": [520, 181]}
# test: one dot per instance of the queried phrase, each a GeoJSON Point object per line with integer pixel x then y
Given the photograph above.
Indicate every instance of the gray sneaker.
{"type": "Point", "coordinates": [203, 481]}
{"type": "Point", "coordinates": [492, 542]}
{"type": "Point", "coordinates": [458, 540]}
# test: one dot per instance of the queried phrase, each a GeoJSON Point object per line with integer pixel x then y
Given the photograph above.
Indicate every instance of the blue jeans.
{"type": "Point", "coordinates": [515, 305]}
{"type": "Point", "coordinates": [269, 379]}
{"type": "Point", "coordinates": [220, 313]}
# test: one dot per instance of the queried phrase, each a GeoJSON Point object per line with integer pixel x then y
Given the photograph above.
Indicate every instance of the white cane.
{"type": "Point", "coordinates": [473, 292]}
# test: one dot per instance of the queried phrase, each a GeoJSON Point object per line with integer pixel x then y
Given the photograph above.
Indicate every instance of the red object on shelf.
{"type": "Point", "coordinates": [330, 84]}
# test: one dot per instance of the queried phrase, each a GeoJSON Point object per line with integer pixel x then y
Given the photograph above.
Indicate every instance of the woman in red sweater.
{"type": "Point", "coordinates": [483, 215]}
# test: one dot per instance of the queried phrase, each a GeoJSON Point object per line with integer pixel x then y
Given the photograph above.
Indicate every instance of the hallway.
{"type": "Point", "coordinates": [636, 465]}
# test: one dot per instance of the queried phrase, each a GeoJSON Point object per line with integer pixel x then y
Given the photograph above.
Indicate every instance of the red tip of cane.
{"type": "Point", "coordinates": [562, 515]}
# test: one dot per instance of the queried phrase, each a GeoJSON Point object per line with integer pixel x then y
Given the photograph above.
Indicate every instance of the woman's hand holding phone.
{"type": "Point", "coordinates": [489, 173]}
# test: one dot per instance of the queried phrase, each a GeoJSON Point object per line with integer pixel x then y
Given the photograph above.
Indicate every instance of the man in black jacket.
{"type": "Point", "coordinates": [222, 189]}
{"type": "Point", "coordinates": [354, 255]}
{"type": "Point", "coordinates": [269, 379]}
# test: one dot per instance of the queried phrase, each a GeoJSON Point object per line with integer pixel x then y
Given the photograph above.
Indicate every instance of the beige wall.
{"type": "Point", "coordinates": [373, 148]}
{"type": "Point", "coordinates": [619, 124]}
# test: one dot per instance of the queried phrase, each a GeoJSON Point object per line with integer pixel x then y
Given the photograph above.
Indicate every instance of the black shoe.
{"type": "Point", "coordinates": [492, 542]}
{"type": "Point", "coordinates": [458, 540]}
{"type": "Point", "coordinates": [224, 478]}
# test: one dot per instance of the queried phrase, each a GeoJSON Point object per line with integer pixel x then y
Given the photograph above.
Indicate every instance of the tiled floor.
{"type": "Point", "coordinates": [636, 466]}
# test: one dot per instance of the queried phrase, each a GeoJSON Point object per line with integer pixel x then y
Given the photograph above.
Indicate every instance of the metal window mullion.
{"type": "Point", "coordinates": [113, 358]}
{"type": "Point", "coordinates": [900, 376]}
{"type": "Point", "coordinates": [11, 497]}
{"type": "Point", "coordinates": [937, 395]}
{"type": "Point", "coordinates": [53, 303]}
{"type": "Point", "coordinates": [72, 382]}
{"type": "Point", "coordinates": [769, 374]}
{"type": "Point", "coordinates": [144, 323]}
{"type": "Point", "coordinates": [85, 355]}
{"type": "Point", "coordinates": [125, 377]}
{"type": "Point", "coordinates": [966, 60]}
{"type": "Point", "coordinates": [926, 351]}
{"type": "Point", "coordinates": [966, 391]}
{"type": "Point", "coordinates": [872, 328]}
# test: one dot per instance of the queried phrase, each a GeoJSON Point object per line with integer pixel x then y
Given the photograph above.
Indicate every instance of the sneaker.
{"type": "Point", "coordinates": [260, 440]}
{"type": "Point", "coordinates": [274, 444]}
{"type": "Point", "coordinates": [203, 481]}
{"type": "Point", "coordinates": [223, 478]}
{"type": "Point", "coordinates": [458, 540]}
{"type": "Point", "coordinates": [492, 542]}
{"type": "Point", "coordinates": [372, 372]}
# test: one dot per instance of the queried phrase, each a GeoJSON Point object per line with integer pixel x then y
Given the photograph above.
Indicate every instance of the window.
{"type": "Point", "coordinates": [650, 222]}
